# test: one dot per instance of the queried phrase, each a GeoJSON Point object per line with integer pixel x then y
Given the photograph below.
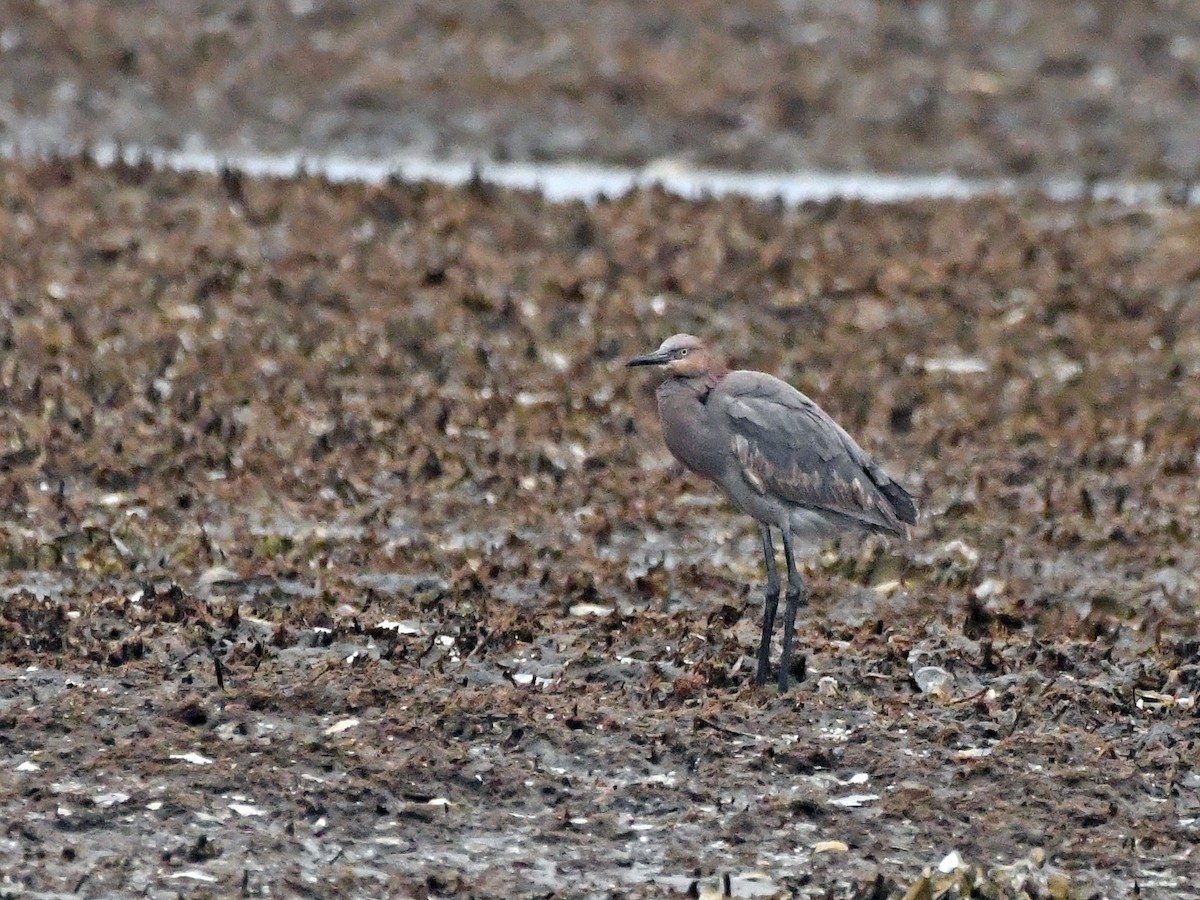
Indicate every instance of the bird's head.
{"type": "Point", "coordinates": [681, 356]}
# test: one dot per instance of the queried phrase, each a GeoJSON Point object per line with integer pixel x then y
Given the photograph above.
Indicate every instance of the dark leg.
{"type": "Point", "coordinates": [795, 596]}
{"type": "Point", "coordinates": [770, 605]}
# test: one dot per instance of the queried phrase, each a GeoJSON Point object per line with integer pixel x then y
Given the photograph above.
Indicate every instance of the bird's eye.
{"type": "Point", "coordinates": [683, 352]}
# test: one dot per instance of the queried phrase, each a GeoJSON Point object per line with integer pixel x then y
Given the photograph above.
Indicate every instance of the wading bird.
{"type": "Point", "coordinates": [779, 458]}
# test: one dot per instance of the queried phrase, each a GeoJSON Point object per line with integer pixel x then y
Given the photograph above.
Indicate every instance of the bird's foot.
{"type": "Point", "coordinates": [760, 677]}
{"type": "Point", "coordinates": [798, 669]}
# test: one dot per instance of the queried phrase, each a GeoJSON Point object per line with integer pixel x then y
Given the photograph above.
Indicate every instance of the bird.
{"type": "Point", "coordinates": [779, 458]}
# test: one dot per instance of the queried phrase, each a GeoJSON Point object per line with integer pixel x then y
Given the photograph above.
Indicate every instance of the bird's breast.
{"type": "Point", "coordinates": [694, 434]}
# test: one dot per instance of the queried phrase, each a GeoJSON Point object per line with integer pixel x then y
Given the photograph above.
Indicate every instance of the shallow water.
{"type": "Point", "coordinates": [588, 181]}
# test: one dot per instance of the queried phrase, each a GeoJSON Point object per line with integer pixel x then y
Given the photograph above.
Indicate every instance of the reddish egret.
{"type": "Point", "coordinates": [779, 458]}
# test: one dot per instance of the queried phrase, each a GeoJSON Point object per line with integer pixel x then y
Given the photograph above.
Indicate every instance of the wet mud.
{"type": "Point", "coordinates": [1032, 87]}
{"type": "Point", "coordinates": [341, 555]}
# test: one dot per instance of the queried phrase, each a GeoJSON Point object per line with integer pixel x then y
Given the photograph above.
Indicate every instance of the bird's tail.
{"type": "Point", "coordinates": [894, 502]}
{"type": "Point", "coordinates": [901, 501]}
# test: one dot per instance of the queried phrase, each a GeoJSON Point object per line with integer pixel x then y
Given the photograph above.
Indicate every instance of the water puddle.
{"type": "Point", "coordinates": [563, 181]}
{"type": "Point", "coordinates": [43, 585]}
{"type": "Point", "coordinates": [750, 884]}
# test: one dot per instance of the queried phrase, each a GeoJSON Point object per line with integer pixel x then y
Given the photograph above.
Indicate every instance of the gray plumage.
{"type": "Point", "coordinates": [779, 458]}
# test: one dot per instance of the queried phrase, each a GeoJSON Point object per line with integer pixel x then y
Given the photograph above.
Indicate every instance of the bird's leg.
{"type": "Point", "coordinates": [770, 605]}
{"type": "Point", "coordinates": [795, 596]}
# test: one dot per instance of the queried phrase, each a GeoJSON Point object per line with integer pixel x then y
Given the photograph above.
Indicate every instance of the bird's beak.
{"type": "Point", "coordinates": [657, 358]}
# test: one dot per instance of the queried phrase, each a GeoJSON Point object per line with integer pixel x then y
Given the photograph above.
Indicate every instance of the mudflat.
{"type": "Point", "coordinates": [341, 556]}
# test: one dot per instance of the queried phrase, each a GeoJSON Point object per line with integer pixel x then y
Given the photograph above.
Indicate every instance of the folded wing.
{"type": "Point", "coordinates": [789, 447]}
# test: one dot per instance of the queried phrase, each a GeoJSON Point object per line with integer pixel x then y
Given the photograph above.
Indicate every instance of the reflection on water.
{"type": "Point", "coordinates": [585, 181]}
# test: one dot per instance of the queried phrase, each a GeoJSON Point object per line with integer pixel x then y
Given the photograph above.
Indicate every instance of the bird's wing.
{"type": "Point", "coordinates": [790, 447]}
